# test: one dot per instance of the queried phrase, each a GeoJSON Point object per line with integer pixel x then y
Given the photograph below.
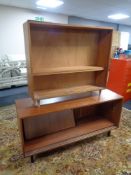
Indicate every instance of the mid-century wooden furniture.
{"type": "Point", "coordinates": [67, 70]}
{"type": "Point", "coordinates": [87, 116]}
{"type": "Point", "coordinates": [65, 60]}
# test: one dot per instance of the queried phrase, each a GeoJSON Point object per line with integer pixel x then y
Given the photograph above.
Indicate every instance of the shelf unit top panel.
{"type": "Point", "coordinates": [39, 24]}
{"type": "Point", "coordinates": [26, 108]}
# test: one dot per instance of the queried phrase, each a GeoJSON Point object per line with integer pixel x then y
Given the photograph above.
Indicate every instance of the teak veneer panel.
{"type": "Point", "coordinates": [53, 122]}
{"type": "Point", "coordinates": [56, 48]}
{"type": "Point", "coordinates": [63, 81]}
{"type": "Point", "coordinates": [55, 140]}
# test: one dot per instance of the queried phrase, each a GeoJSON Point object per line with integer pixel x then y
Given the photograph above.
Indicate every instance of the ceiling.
{"type": "Point", "coordinates": [91, 9]}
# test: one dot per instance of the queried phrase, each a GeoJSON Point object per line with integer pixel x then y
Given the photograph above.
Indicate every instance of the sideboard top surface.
{"type": "Point", "coordinates": [25, 107]}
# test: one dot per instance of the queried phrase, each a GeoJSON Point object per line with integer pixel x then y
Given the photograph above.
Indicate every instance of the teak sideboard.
{"type": "Point", "coordinates": [67, 74]}
{"type": "Point", "coordinates": [53, 125]}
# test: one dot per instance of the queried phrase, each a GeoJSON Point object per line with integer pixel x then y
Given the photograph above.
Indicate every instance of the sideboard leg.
{"type": "Point", "coordinates": [32, 158]}
{"type": "Point", "coordinates": [109, 133]}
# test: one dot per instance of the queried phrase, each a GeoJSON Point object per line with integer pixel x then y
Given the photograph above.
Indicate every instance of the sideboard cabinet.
{"type": "Point", "coordinates": [67, 74]}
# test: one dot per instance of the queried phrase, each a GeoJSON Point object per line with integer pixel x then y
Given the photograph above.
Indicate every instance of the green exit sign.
{"type": "Point", "coordinates": [39, 18]}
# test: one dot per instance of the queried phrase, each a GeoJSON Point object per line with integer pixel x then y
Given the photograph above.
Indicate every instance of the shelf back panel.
{"type": "Point", "coordinates": [62, 48]}
{"type": "Point", "coordinates": [63, 81]}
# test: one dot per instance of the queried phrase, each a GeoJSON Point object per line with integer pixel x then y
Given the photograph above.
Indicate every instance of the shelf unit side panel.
{"type": "Point", "coordinates": [116, 112]}
{"type": "Point", "coordinates": [103, 57]}
{"type": "Point", "coordinates": [28, 51]}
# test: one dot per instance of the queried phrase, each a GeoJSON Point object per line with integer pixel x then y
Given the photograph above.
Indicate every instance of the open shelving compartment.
{"type": "Point", "coordinates": [89, 116]}
{"type": "Point", "coordinates": [66, 60]}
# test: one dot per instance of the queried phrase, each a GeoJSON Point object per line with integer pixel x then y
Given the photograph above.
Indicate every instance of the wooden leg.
{"type": "Point", "coordinates": [32, 158]}
{"type": "Point", "coordinates": [109, 133]}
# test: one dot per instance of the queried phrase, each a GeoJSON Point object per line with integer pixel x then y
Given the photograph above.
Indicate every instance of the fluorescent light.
{"type": "Point", "coordinates": [39, 7]}
{"type": "Point", "coordinates": [118, 16]}
{"type": "Point", "coordinates": [49, 3]}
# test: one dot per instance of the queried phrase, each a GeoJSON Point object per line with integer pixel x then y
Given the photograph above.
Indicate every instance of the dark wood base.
{"type": "Point", "coordinates": [32, 158]}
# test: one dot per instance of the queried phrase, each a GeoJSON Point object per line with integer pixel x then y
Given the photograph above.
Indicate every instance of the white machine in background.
{"type": "Point", "coordinates": [12, 72]}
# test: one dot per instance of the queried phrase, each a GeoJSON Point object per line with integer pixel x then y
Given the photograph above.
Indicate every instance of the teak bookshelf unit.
{"type": "Point", "coordinates": [66, 60]}
{"type": "Point", "coordinates": [67, 73]}
{"type": "Point", "coordinates": [74, 120]}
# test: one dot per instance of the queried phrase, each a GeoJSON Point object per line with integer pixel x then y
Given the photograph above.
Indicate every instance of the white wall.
{"type": "Point", "coordinates": [82, 21]}
{"type": "Point", "coordinates": [11, 27]}
{"type": "Point", "coordinates": [125, 28]}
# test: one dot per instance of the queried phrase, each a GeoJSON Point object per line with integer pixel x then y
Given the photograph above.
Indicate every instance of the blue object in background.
{"type": "Point", "coordinates": [128, 53]}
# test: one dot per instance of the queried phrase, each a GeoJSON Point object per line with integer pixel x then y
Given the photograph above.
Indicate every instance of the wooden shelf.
{"type": "Point", "coordinates": [65, 91]}
{"type": "Point", "coordinates": [66, 70]}
{"type": "Point", "coordinates": [67, 136]}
